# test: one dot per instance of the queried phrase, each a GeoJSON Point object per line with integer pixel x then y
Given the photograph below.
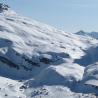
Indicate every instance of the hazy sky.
{"type": "Point", "coordinates": [68, 15]}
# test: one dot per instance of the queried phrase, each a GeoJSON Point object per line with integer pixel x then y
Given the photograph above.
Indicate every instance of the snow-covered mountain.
{"type": "Point", "coordinates": [40, 61]}
{"type": "Point", "coordinates": [91, 34]}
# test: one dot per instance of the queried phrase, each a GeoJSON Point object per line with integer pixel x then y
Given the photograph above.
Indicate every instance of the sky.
{"type": "Point", "coordinates": [67, 15]}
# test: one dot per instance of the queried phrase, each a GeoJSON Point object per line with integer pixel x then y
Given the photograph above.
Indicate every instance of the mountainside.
{"type": "Point", "coordinates": [91, 34]}
{"type": "Point", "coordinates": [39, 61]}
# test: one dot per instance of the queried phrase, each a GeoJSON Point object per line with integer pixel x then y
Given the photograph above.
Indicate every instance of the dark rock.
{"type": "Point", "coordinates": [3, 7]}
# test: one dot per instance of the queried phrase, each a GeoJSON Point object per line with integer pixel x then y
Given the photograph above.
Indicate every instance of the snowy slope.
{"type": "Point", "coordinates": [91, 75]}
{"type": "Point", "coordinates": [37, 60]}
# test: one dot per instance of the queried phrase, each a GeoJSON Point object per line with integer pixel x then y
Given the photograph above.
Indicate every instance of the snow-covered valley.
{"type": "Point", "coordinates": [40, 61]}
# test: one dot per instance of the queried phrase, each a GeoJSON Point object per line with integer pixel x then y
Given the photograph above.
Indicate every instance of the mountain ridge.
{"type": "Point", "coordinates": [43, 60]}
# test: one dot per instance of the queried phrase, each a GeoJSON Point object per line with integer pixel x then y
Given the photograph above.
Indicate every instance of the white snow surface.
{"type": "Point", "coordinates": [91, 74]}
{"type": "Point", "coordinates": [40, 61]}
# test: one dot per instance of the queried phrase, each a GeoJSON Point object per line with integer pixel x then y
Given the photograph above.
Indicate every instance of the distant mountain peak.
{"type": "Point", "coordinates": [92, 34]}
{"type": "Point", "coordinates": [81, 32]}
{"type": "Point", "coordinates": [3, 7]}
